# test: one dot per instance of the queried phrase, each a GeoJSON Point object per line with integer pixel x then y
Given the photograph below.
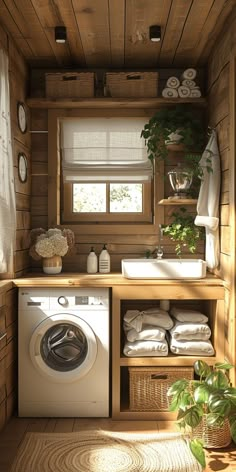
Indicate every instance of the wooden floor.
{"type": "Point", "coordinates": [12, 435]}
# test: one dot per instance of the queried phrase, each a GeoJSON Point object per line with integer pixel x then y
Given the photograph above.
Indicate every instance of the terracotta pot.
{"type": "Point", "coordinates": [52, 265]}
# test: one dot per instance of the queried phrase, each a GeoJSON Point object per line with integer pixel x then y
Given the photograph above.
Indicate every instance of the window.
{"type": "Point", "coordinates": [106, 175]}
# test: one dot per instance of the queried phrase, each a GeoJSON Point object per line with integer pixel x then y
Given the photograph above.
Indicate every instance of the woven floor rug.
{"type": "Point", "coordinates": [104, 451]}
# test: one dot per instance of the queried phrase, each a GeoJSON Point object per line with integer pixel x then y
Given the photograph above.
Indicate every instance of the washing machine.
{"type": "Point", "coordinates": [63, 352]}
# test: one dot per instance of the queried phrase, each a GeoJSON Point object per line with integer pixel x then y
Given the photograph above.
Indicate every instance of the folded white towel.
{"type": "Point", "coordinates": [189, 83]}
{"type": "Point", "coordinates": [173, 82]}
{"type": "Point", "coordinates": [183, 91]}
{"type": "Point", "coordinates": [169, 92]}
{"type": "Point", "coordinates": [189, 74]}
{"type": "Point", "coordinates": [190, 331]}
{"type": "Point", "coordinates": [146, 348]}
{"type": "Point", "coordinates": [192, 348]}
{"type": "Point", "coordinates": [195, 92]}
{"type": "Point", "coordinates": [186, 315]}
{"type": "Point", "coordinates": [146, 334]}
{"type": "Point", "coordinates": [211, 222]}
{"type": "Point", "coordinates": [153, 316]}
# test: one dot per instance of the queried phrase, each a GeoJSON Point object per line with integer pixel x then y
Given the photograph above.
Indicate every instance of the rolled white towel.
{"type": "Point", "coordinates": [148, 333]}
{"type": "Point", "coordinates": [183, 91]}
{"type": "Point", "coordinates": [157, 317]}
{"type": "Point", "coordinates": [190, 331]}
{"type": "Point", "coordinates": [189, 83]}
{"type": "Point", "coordinates": [173, 82]}
{"type": "Point", "coordinates": [146, 349]}
{"type": "Point", "coordinates": [192, 348]}
{"type": "Point", "coordinates": [169, 92]}
{"type": "Point", "coordinates": [195, 93]}
{"type": "Point", "coordinates": [189, 74]}
{"type": "Point", "coordinates": [187, 315]}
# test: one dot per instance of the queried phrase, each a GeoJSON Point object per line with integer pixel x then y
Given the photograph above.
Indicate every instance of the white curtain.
{"type": "Point", "coordinates": [7, 192]}
{"type": "Point", "coordinates": [98, 149]}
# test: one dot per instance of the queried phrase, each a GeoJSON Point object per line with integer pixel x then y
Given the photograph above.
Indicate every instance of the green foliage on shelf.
{"type": "Point", "coordinates": [183, 231]}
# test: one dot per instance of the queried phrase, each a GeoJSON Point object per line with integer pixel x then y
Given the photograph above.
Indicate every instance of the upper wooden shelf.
{"type": "Point", "coordinates": [111, 102]}
{"type": "Point", "coordinates": [178, 201]}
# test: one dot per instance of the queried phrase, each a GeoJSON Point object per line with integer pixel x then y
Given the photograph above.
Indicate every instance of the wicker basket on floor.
{"type": "Point", "coordinates": [70, 85]}
{"type": "Point", "coordinates": [213, 436]}
{"type": "Point", "coordinates": [148, 386]}
{"type": "Point", "coordinates": [131, 84]}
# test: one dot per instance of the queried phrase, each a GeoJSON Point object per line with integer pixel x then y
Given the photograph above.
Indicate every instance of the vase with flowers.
{"type": "Point", "coordinates": [50, 246]}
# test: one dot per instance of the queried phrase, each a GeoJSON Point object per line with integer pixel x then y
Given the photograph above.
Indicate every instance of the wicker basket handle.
{"type": "Point", "coordinates": [133, 77]}
{"type": "Point", "coordinates": [159, 377]}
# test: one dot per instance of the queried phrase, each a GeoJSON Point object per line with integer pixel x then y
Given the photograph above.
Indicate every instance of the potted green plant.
{"type": "Point", "coordinates": [183, 231]}
{"type": "Point", "coordinates": [206, 408]}
{"type": "Point", "coordinates": [178, 125]}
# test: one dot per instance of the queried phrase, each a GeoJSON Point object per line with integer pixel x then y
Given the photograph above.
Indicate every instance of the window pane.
{"type": "Point", "coordinates": [126, 198]}
{"type": "Point", "coordinates": [89, 198]}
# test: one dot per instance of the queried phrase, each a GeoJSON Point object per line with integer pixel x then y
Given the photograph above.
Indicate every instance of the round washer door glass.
{"type": "Point", "coordinates": [64, 347]}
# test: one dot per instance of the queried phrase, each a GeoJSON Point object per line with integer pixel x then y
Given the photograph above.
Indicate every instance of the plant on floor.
{"type": "Point", "coordinates": [183, 232]}
{"type": "Point", "coordinates": [210, 398]}
{"type": "Point", "coordinates": [177, 125]}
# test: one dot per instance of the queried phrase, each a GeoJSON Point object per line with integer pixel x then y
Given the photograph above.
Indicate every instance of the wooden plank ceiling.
{"type": "Point", "coordinates": [115, 33]}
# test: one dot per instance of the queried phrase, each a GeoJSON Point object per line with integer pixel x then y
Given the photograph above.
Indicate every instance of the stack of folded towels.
{"type": "Point", "coordinates": [184, 87]}
{"type": "Point", "coordinates": [190, 335]}
{"type": "Point", "coordinates": [146, 332]}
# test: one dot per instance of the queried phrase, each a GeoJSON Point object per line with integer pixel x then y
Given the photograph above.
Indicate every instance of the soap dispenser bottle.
{"type": "Point", "coordinates": [104, 261]}
{"type": "Point", "coordinates": [92, 262]}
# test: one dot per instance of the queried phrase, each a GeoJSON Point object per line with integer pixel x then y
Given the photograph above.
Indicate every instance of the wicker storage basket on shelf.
{"type": "Point", "coordinates": [148, 386]}
{"type": "Point", "coordinates": [213, 436]}
{"type": "Point", "coordinates": [70, 85]}
{"type": "Point", "coordinates": [131, 84]}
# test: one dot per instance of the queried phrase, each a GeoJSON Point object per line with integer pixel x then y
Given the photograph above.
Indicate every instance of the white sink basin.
{"type": "Point", "coordinates": [163, 268]}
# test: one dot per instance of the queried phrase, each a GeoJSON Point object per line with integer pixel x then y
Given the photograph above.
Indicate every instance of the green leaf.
{"type": "Point", "coordinates": [219, 405]}
{"type": "Point", "coordinates": [201, 394]}
{"type": "Point", "coordinates": [196, 447]}
{"type": "Point", "coordinates": [232, 422]}
{"type": "Point", "coordinates": [192, 416]}
{"type": "Point", "coordinates": [213, 419]}
{"type": "Point", "coordinates": [223, 365]}
{"type": "Point", "coordinates": [202, 368]}
{"type": "Point", "coordinates": [177, 387]}
{"type": "Point", "coordinates": [217, 379]}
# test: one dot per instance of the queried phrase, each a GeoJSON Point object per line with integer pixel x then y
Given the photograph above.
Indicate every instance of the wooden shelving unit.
{"type": "Point", "coordinates": [178, 201]}
{"type": "Point", "coordinates": [210, 300]}
{"type": "Point", "coordinates": [104, 102]}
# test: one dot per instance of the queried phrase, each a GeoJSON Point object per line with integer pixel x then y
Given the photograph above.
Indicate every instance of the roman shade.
{"type": "Point", "coordinates": [104, 149]}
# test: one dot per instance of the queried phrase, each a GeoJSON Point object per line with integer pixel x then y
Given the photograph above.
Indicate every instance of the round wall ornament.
{"type": "Point", "coordinates": [22, 167]}
{"type": "Point", "coordinates": [21, 117]}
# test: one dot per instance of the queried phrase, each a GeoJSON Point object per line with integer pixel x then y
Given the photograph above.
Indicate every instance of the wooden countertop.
{"type": "Point", "coordinates": [106, 280]}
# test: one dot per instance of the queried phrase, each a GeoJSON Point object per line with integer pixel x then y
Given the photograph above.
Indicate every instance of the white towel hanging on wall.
{"type": "Point", "coordinates": [208, 201]}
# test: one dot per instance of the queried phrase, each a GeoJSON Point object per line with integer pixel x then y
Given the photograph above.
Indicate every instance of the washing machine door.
{"type": "Point", "coordinates": [63, 347]}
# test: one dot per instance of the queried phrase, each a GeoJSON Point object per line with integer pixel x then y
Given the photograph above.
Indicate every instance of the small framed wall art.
{"type": "Point", "coordinates": [22, 167]}
{"type": "Point", "coordinates": [22, 117]}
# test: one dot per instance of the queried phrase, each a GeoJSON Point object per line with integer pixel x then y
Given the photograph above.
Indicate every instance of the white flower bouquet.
{"type": "Point", "coordinates": [53, 242]}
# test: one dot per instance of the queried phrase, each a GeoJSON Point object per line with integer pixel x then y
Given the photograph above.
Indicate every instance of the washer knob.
{"type": "Point", "coordinates": [63, 301]}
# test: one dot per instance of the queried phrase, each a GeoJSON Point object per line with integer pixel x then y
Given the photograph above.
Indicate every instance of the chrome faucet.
{"type": "Point", "coordinates": [160, 251]}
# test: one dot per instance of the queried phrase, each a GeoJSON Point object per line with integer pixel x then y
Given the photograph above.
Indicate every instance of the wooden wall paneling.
{"type": "Point", "coordinates": [219, 98]}
{"type": "Point", "coordinates": [225, 239]}
{"type": "Point", "coordinates": [39, 121]}
{"type": "Point", "coordinates": [117, 31]}
{"type": "Point", "coordinates": [224, 215]}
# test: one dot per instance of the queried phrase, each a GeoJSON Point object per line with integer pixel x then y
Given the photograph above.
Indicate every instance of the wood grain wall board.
{"type": "Point", "coordinates": [39, 168]}
{"type": "Point", "coordinates": [11, 306]}
{"type": "Point", "coordinates": [93, 21]}
{"type": "Point", "coordinates": [218, 98]}
{"type": "Point", "coordinates": [23, 188]}
{"type": "Point", "coordinates": [39, 147]}
{"type": "Point", "coordinates": [18, 63]}
{"type": "Point", "coordinates": [12, 331]}
{"type": "Point", "coordinates": [3, 39]}
{"type": "Point", "coordinates": [224, 44]}
{"type": "Point", "coordinates": [224, 215]}
{"type": "Point", "coordinates": [22, 239]}
{"type": "Point", "coordinates": [225, 243]}
{"type": "Point", "coordinates": [20, 147]}
{"type": "Point", "coordinates": [177, 18]}
{"type": "Point", "coordinates": [39, 221]}
{"type": "Point", "coordinates": [23, 202]}
{"type": "Point", "coordinates": [11, 404]}
{"type": "Point", "coordinates": [39, 120]}
{"type": "Point", "coordinates": [39, 206]}
{"type": "Point", "coordinates": [3, 418]}
{"type": "Point", "coordinates": [11, 378]}
{"type": "Point", "coordinates": [117, 32]}
{"type": "Point", "coordinates": [23, 220]}
{"type": "Point", "coordinates": [22, 260]}
{"type": "Point", "coordinates": [39, 185]}
{"type": "Point", "coordinates": [223, 134]}
{"type": "Point", "coordinates": [192, 31]}
{"type": "Point", "coordinates": [211, 30]}
{"type": "Point", "coordinates": [138, 20]}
